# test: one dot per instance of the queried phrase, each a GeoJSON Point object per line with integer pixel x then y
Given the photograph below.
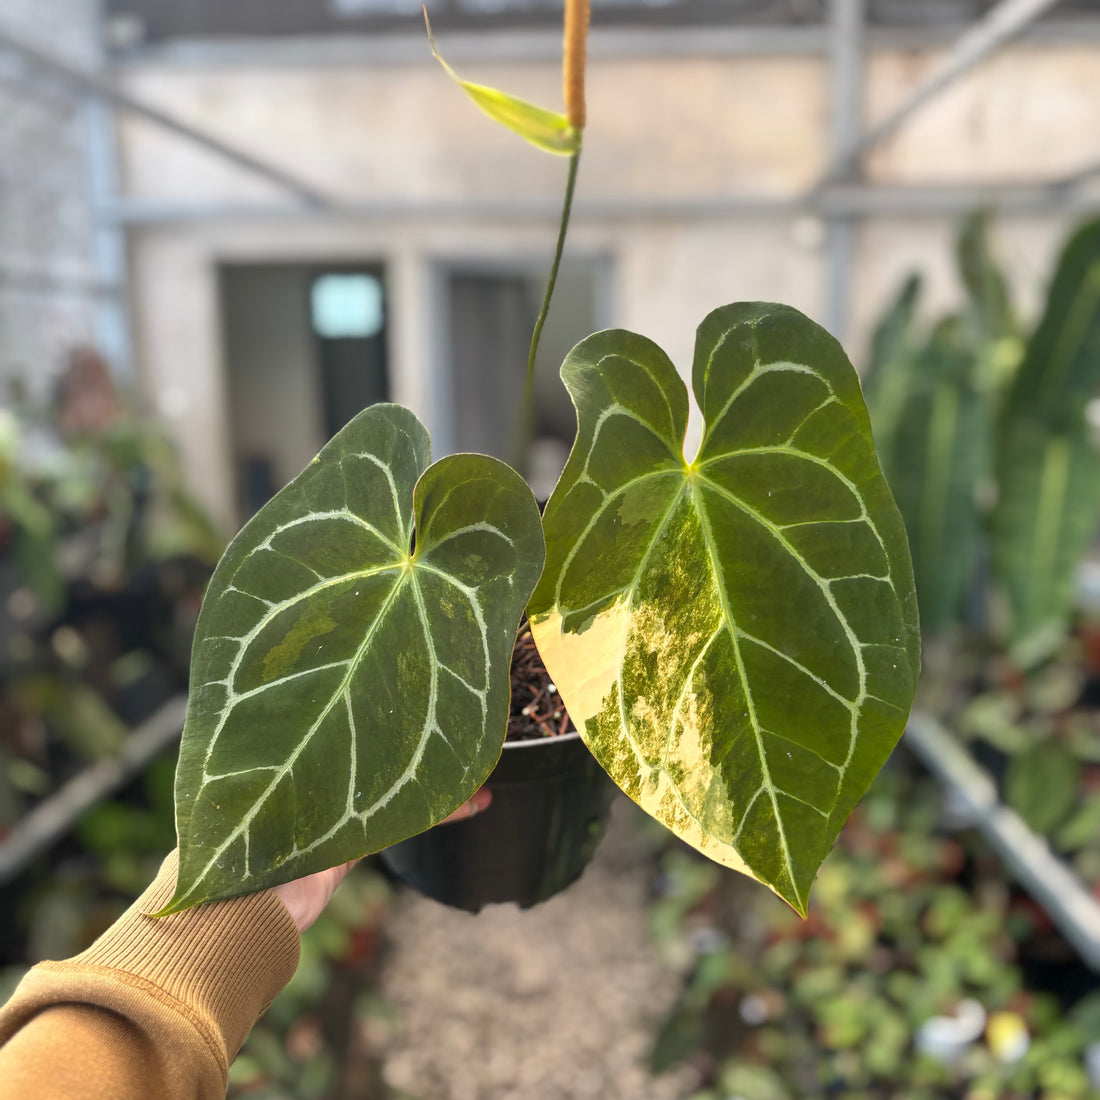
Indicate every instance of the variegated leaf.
{"type": "Point", "coordinates": [350, 689]}
{"type": "Point", "coordinates": [735, 636]}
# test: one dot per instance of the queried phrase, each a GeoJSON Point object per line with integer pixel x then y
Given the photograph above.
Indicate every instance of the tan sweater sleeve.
{"type": "Point", "coordinates": [155, 1007]}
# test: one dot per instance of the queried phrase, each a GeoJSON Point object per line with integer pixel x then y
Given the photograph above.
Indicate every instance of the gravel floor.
{"type": "Point", "coordinates": [558, 1002]}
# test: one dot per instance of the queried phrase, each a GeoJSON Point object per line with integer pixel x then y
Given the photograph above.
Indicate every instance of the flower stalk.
{"type": "Point", "coordinates": [574, 55]}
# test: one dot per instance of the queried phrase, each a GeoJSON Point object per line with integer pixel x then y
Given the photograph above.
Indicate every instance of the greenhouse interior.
{"type": "Point", "coordinates": [485, 622]}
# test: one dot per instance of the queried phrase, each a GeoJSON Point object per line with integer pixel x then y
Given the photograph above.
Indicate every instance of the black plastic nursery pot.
{"type": "Point", "coordinates": [547, 817]}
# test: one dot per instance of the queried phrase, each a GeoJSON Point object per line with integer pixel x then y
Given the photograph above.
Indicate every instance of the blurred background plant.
{"type": "Point", "coordinates": [919, 975]}
{"type": "Point", "coordinates": [989, 440]}
{"type": "Point", "coordinates": [103, 559]}
{"type": "Point", "coordinates": [103, 556]}
{"type": "Point", "coordinates": [314, 1041]}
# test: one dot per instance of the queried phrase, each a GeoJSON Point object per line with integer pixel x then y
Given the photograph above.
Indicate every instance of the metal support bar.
{"type": "Point", "coordinates": [49, 821]}
{"type": "Point", "coordinates": [1077, 177]}
{"type": "Point", "coordinates": [516, 47]}
{"type": "Point", "coordinates": [1028, 856]}
{"type": "Point", "coordinates": [846, 23]}
{"type": "Point", "coordinates": [1002, 23]}
{"type": "Point", "coordinates": [925, 200]}
{"type": "Point", "coordinates": [99, 86]}
{"type": "Point", "coordinates": [112, 321]}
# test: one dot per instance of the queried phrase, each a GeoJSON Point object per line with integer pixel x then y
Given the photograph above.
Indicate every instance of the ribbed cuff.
{"type": "Point", "coordinates": [224, 961]}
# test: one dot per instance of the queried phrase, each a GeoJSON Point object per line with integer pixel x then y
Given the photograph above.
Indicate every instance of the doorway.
{"type": "Point", "coordinates": [490, 308]}
{"type": "Point", "coordinates": [305, 350]}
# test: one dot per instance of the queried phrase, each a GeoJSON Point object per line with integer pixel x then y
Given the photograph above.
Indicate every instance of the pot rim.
{"type": "Point", "coordinates": [535, 742]}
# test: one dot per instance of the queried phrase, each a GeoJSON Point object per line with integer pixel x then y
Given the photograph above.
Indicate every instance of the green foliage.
{"type": "Point", "coordinates": [1043, 721]}
{"type": "Point", "coordinates": [1041, 784]}
{"type": "Point", "coordinates": [932, 427]}
{"type": "Point", "coordinates": [891, 372]}
{"type": "Point", "coordinates": [101, 568]}
{"type": "Point", "coordinates": [735, 636]}
{"type": "Point", "coordinates": [847, 1004]}
{"type": "Point", "coordinates": [1048, 463]}
{"type": "Point", "coordinates": [958, 414]}
{"type": "Point", "coordinates": [349, 690]}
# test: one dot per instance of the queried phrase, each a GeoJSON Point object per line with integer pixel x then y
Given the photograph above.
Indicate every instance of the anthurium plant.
{"type": "Point", "coordinates": [735, 633]}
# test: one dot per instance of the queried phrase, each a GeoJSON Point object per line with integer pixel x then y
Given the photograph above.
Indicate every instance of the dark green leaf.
{"type": "Point", "coordinates": [736, 636]}
{"type": "Point", "coordinates": [1041, 785]}
{"type": "Point", "coordinates": [346, 691]}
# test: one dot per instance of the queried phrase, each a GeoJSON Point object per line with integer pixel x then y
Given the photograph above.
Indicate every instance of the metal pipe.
{"type": "Point", "coordinates": [362, 49]}
{"type": "Point", "coordinates": [1004, 21]}
{"type": "Point", "coordinates": [846, 22]}
{"type": "Point", "coordinates": [113, 331]}
{"type": "Point", "coordinates": [1026, 855]}
{"type": "Point", "coordinates": [99, 86]}
{"type": "Point", "coordinates": [856, 199]}
{"type": "Point", "coordinates": [50, 820]}
{"type": "Point", "coordinates": [1077, 177]}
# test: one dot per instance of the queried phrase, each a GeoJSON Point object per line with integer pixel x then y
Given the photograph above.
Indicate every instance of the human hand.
{"type": "Point", "coordinates": [307, 897]}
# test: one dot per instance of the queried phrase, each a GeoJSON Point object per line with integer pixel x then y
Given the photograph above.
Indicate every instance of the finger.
{"type": "Point", "coordinates": [341, 872]}
{"type": "Point", "coordinates": [475, 805]}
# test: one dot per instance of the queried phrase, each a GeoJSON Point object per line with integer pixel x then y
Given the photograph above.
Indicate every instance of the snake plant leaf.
{"type": "Point", "coordinates": [990, 299]}
{"type": "Point", "coordinates": [547, 130]}
{"type": "Point", "coordinates": [1048, 467]}
{"type": "Point", "coordinates": [350, 688]}
{"type": "Point", "coordinates": [735, 636]}
{"type": "Point", "coordinates": [1048, 507]}
{"type": "Point", "coordinates": [893, 334]}
{"type": "Point", "coordinates": [893, 374]}
{"type": "Point", "coordinates": [935, 450]}
{"type": "Point", "coordinates": [1060, 373]}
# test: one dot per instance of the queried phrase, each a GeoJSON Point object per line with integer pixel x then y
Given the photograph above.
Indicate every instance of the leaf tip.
{"type": "Point", "coordinates": [800, 905]}
{"type": "Point", "coordinates": [175, 905]}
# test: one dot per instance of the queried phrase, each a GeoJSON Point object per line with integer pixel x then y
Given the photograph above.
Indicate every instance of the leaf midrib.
{"type": "Point", "coordinates": [727, 614]}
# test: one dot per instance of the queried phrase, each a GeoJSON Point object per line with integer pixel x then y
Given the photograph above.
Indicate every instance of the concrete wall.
{"type": "Point", "coordinates": [673, 145]}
